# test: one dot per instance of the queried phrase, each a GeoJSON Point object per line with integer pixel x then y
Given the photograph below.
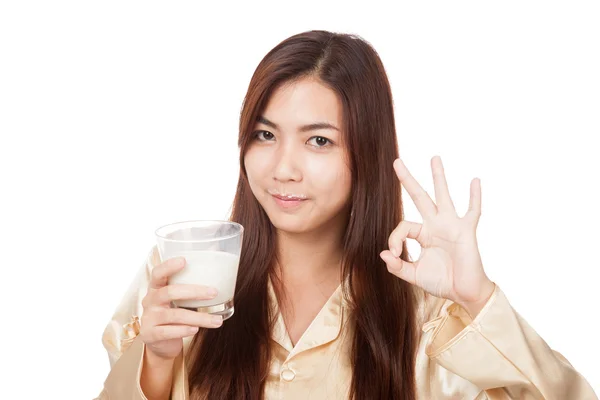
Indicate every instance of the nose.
{"type": "Point", "coordinates": [286, 166]}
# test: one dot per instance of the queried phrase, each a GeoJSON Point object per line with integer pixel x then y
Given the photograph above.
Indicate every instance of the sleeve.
{"type": "Point", "coordinates": [501, 354]}
{"type": "Point", "coordinates": [126, 350]}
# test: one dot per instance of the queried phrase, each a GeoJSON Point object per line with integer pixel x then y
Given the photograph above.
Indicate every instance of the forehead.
{"type": "Point", "coordinates": [303, 102]}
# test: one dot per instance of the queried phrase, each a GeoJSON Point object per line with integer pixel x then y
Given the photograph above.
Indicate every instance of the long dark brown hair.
{"type": "Point", "coordinates": [232, 362]}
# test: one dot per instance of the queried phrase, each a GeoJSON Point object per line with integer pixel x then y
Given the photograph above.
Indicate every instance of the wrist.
{"type": "Point", "coordinates": [474, 306]}
{"type": "Point", "coordinates": [156, 376]}
{"type": "Point", "coordinates": [156, 361]}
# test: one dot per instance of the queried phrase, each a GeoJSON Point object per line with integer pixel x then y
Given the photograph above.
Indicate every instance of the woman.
{"type": "Point", "coordinates": [328, 303]}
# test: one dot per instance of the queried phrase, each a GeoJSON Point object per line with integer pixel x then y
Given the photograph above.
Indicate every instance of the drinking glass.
{"type": "Point", "coordinates": [211, 249]}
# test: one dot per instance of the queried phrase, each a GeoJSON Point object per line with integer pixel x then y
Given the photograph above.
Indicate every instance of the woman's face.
{"type": "Point", "coordinates": [293, 153]}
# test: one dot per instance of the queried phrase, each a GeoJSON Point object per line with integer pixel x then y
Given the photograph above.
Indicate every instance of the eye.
{"type": "Point", "coordinates": [266, 137]}
{"type": "Point", "coordinates": [320, 141]}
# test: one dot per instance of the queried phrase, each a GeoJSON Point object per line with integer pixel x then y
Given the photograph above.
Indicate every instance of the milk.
{"type": "Point", "coordinates": [217, 269]}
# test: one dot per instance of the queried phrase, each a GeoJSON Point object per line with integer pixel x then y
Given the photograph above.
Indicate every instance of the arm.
{"type": "Point", "coordinates": [500, 353]}
{"type": "Point", "coordinates": [157, 376]}
{"type": "Point", "coordinates": [496, 351]}
{"type": "Point", "coordinates": [130, 368]}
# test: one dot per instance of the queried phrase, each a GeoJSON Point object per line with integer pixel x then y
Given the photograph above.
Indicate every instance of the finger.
{"type": "Point", "coordinates": [442, 194]}
{"type": "Point", "coordinates": [167, 332]}
{"type": "Point", "coordinates": [169, 293]}
{"type": "Point", "coordinates": [404, 230]}
{"type": "Point", "coordinates": [180, 316]}
{"type": "Point", "coordinates": [474, 211]}
{"type": "Point", "coordinates": [424, 204]}
{"type": "Point", "coordinates": [396, 266]}
{"type": "Point", "coordinates": [162, 272]}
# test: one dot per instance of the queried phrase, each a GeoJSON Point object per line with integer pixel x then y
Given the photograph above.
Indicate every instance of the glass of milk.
{"type": "Point", "coordinates": [212, 253]}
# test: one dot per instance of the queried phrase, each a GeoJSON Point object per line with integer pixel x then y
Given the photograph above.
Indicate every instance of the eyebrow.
{"type": "Point", "coordinates": [304, 128]}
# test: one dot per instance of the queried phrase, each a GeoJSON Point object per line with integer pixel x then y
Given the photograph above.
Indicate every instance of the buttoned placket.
{"type": "Point", "coordinates": [324, 328]}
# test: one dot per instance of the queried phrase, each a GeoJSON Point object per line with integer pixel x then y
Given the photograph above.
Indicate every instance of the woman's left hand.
{"type": "Point", "coordinates": [449, 265]}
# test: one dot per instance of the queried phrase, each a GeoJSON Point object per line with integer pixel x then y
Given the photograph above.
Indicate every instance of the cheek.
{"type": "Point", "coordinates": [255, 165]}
{"type": "Point", "coordinates": [332, 181]}
{"type": "Point", "coordinates": [251, 172]}
{"type": "Point", "coordinates": [344, 184]}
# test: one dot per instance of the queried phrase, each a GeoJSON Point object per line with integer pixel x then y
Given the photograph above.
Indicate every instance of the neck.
{"type": "Point", "coordinates": [309, 258]}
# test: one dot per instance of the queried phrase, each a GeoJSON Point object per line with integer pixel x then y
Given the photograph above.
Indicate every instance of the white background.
{"type": "Point", "coordinates": [117, 117]}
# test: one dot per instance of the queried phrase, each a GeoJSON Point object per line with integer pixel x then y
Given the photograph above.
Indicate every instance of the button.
{"type": "Point", "coordinates": [288, 375]}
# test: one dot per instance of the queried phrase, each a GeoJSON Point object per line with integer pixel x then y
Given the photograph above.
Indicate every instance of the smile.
{"type": "Point", "coordinates": [286, 202]}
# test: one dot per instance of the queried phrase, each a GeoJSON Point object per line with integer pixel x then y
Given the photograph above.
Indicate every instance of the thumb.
{"type": "Point", "coordinates": [396, 266]}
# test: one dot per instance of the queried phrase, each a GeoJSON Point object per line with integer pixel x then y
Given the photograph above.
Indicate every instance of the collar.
{"type": "Point", "coordinates": [325, 327]}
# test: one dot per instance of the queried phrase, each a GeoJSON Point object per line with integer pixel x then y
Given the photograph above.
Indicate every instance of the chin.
{"type": "Point", "coordinates": [290, 223]}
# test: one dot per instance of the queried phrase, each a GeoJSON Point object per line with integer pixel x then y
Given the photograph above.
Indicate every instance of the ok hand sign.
{"type": "Point", "coordinates": [449, 265]}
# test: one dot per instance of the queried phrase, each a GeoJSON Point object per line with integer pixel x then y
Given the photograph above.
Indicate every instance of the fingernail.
{"type": "Point", "coordinates": [216, 320]}
{"type": "Point", "coordinates": [193, 330]}
{"type": "Point", "coordinates": [180, 261]}
{"type": "Point", "coordinates": [212, 292]}
{"type": "Point", "coordinates": [395, 252]}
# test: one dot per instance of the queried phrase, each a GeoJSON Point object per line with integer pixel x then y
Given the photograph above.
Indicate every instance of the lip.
{"type": "Point", "coordinates": [287, 204]}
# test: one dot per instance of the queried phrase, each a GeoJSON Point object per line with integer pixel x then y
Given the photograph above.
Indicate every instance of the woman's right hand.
{"type": "Point", "coordinates": [163, 327]}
